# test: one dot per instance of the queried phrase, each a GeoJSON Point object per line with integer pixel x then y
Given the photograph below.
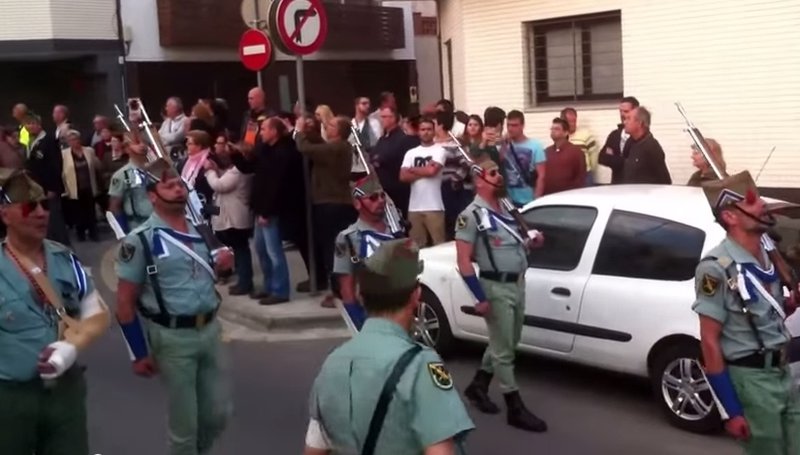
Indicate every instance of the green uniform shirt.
{"type": "Point", "coordinates": [426, 409]}
{"type": "Point", "coordinates": [507, 248]}
{"type": "Point", "coordinates": [187, 288]}
{"type": "Point", "coordinates": [26, 326]}
{"type": "Point", "coordinates": [363, 239]}
{"type": "Point", "coordinates": [128, 184]}
{"type": "Point", "coordinates": [717, 300]}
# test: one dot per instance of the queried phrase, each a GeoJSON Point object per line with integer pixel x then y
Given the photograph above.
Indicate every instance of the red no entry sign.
{"type": "Point", "coordinates": [255, 50]}
{"type": "Point", "coordinates": [300, 26]}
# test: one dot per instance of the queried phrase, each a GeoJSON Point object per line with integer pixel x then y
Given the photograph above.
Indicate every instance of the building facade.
{"type": "Point", "coordinates": [733, 64]}
{"type": "Point", "coordinates": [60, 51]}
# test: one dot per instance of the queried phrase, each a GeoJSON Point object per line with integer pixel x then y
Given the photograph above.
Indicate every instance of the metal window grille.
{"type": "Point", "coordinates": [577, 58]}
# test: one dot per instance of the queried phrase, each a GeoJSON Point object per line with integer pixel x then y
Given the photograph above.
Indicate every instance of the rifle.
{"type": "Point", "coordinates": [522, 225]}
{"type": "Point", "coordinates": [787, 275]}
{"type": "Point", "coordinates": [393, 219]}
{"type": "Point", "coordinates": [194, 206]}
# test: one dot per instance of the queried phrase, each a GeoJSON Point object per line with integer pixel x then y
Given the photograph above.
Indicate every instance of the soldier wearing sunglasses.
{"type": "Point", "coordinates": [359, 241]}
{"type": "Point", "coordinates": [487, 234]}
{"type": "Point", "coordinates": [49, 313]}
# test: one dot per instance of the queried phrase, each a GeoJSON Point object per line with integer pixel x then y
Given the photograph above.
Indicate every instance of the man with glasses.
{"type": "Point", "coordinates": [50, 313]}
{"type": "Point", "coordinates": [359, 241]}
{"type": "Point", "coordinates": [487, 234]}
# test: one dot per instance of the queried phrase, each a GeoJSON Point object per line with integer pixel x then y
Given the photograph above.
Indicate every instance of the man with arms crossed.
{"type": "Point", "coordinates": [422, 168]}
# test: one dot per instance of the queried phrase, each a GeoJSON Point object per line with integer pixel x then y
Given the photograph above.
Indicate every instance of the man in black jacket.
{"type": "Point", "coordinates": [645, 161]}
{"type": "Point", "coordinates": [614, 153]}
{"type": "Point", "coordinates": [45, 166]}
{"type": "Point", "coordinates": [387, 157]}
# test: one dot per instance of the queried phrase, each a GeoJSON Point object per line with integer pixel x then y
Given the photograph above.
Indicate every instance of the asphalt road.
{"type": "Point", "coordinates": [588, 411]}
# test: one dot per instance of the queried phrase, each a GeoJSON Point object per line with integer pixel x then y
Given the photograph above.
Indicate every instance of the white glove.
{"type": "Point", "coordinates": [62, 358]}
{"type": "Point", "coordinates": [533, 233]}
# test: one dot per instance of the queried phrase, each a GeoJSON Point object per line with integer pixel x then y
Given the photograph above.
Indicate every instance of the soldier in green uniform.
{"type": "Point", "coordinates": [742, 310]}
{"type": "Point", "coordinates": [166, 274]}
{"type": "Point", "coordinates": [359, 241]}
{"type": "Point", "coordinates": [487, 234]}
{"type": "Point", "coordinates": [49, 312]}
{"type": "Point", "coordinates": [128, 197]}
{"type": "Point", "coordinates": [382, 393]}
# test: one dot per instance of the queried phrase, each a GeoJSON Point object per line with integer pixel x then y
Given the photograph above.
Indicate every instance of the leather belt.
{"type": "Point", "coordinates": [169, 321]}
{"type": "Point", "coordinates": [503, 277]}
{"type": "Point", "coordinates": [768, 359]}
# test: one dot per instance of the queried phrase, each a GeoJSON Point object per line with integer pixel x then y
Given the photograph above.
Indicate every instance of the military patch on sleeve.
{"type": "Point", "coordinates": [461, 222]}
{"type": "Point", "coordinates": [440, 376]}
{"type": "Point", "coordinates": [126, 251]}
{"type": "Point", "coordinates": [709, 285]}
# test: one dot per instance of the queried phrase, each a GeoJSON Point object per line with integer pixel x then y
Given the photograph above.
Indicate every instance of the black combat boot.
{"type": "Point", "coordinates": [520, 417]}
{"type": "Point", "coordinates": [478, 393]}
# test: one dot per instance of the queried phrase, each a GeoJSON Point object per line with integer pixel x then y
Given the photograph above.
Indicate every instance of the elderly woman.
{"type": "Point", "coordinates": [704, 171]}
{"type": "Point", "coordinates": [198, 148]}
{"type": "Point", "coordinates": [234, 223]}
{"type": "Point", "coordinates": [80, 172]}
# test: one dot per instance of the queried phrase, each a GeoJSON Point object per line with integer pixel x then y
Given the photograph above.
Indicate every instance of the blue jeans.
{"type": "Point", "coordinates": [269, 248]}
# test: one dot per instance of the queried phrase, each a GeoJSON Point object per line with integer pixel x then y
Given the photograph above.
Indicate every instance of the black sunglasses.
{"type": "Point", "coordinates": [492, 173]}
{"type": "Point", "coordinates": [30, 206]}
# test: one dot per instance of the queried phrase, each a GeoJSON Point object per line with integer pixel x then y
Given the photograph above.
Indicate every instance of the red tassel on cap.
{"type": "Point", "coordinates": [751, 196]}
{"type": "Point", "coordinates": [27, 209]}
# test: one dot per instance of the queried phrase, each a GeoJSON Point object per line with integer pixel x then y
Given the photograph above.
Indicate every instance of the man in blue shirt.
{"type": "Point", "coordinates": [525, 162]}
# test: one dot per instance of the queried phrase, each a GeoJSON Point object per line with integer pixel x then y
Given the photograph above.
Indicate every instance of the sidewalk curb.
{"type": "Point", "coordinates": [256, 321]}
{"type": "Point", "coordinates": [297, 314]}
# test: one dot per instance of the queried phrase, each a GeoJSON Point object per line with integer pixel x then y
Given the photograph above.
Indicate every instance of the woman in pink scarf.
{"type": "Point", "coordinates": [198, 145]}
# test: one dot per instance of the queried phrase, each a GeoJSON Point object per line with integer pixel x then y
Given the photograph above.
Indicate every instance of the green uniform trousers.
{"type": "Point", "coordinates": [506, 313]}
{"type": "Point", "coordinates": [188, 362]}
{"type": "Point", "coordinates": [40, 420]}
{"type": "Point", "coordinates": [771, 408]}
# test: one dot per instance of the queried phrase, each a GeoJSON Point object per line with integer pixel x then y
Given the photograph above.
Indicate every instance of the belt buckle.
{"type": "Point", "coordinates": [200, 321]}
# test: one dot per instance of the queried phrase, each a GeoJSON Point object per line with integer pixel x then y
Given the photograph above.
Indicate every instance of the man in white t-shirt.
{"type": "Point", "coordinates": [422, 168]}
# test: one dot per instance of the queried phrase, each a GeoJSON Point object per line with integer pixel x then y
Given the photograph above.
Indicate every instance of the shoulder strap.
{"type": "Point", "coordinates": [725, 262]}
{"type": "Point", "coordinates": [387, 393]}
{"type": "Point", "coordinates": [152, 273]}
{"type": "Point", "coordinates": [485, 237]}
{"type": "Point", "coordinates": [44, 290]}
{"type": "Point", "coordinates": [353, 253]}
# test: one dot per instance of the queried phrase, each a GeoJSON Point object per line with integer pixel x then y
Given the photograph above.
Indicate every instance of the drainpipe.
{"type": "Point", "coordinates": [439, 47]}
{"type": "Point", "coordinates": [123, 51]}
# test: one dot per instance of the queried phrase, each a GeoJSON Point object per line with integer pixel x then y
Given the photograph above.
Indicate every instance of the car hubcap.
{"type": "Point", "coordinates": [686, 390]}
{"type": "Point", "coordinates": [426, 325]}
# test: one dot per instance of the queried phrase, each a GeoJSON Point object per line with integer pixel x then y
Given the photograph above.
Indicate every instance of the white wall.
{"type": "Point", "coordinates": [84, 19]}
{"type": "Point", "coordinates": [735, 65]}
{"type": "Point", "coordinates": [56, 19]}
{"type": "Point", "coordinates": [451, 27]}
{"type": "Point", "coordinates": [428, 70]}
{"type": "Point", "coordinates": [142, 18]}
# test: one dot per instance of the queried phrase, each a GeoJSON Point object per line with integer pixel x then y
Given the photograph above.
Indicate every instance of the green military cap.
{"type": "Point", "coordinates": [157, 171]}
{"type": "Point", "coordinates": [16, 185]}
{"type": "Point", "coordinates": [366, 186]}
{"type": "Point", "coordinates": [737, 188]}
{"type": "Point", "coordinates": [730, 190]}
{"type": "Point", "coordinates": [394, 267]}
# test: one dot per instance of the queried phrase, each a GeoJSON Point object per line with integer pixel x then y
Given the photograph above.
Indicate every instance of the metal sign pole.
{"type": "Point", "coordinates": [312, 260]}
{"type": "Point", "coordinates": [256, 26]}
